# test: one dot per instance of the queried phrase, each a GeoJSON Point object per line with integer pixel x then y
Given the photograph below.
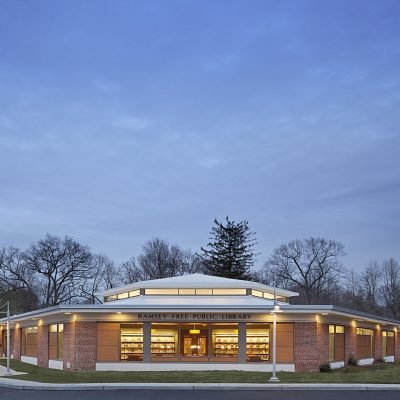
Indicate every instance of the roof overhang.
{"type": "Point", "coordinates": [83, 309]}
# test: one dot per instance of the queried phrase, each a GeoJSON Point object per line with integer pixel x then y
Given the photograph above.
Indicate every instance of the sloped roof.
{"type": "Point", "coordinates": [192, 301]}
{"type": "Point", "coordinates": [198, 281]}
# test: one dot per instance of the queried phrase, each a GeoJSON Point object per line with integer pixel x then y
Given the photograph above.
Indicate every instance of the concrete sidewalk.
{"type": "Point", "coordinates": [27, 385]}
{"type": "Point", "coordinates": [3, 371]}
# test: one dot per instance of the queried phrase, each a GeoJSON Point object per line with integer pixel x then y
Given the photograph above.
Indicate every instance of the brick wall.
{"type": "Point", "coordinates": [69, 346]}
{"type": "Point", "coordinates": [16, 343]}
{"type": "Point", "coordinates": [397, 345]}
{"type": "Point", "coordinates": [80, 346]}
{"type": "Point", "coordinates": [377, 343]}
{"type": "Point", "coordinates": [43, 346]}
{"type": "Point", "coordinates": [323, 343]}
{"type": "Point", "coordinates": [350, 342]}
{"type": "Point", "coordinates": [306, 346]}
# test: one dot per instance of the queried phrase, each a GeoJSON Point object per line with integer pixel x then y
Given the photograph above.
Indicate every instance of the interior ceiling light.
{"type": "Point", "coordinates": [194, 331]}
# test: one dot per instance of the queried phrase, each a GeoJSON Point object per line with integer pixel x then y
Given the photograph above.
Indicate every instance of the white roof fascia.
{"type": "Point", "coordinates": [290, 309]}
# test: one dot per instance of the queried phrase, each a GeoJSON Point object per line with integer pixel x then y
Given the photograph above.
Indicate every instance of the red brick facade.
{"type": "Point", "coordinates": [377, 344]}
{"type": "Point", "coordinates": [311, 345]}
{"type": "Point", "coordinates": [80, 346]}
{"type": "Point", "coordinates": [397, 345]}
{"type": "Point", "coordinates": [16, 344]}
{"type": "Point", "coordinates": [69, 346]}
{"type": "Point", "coordinates": [43, 346]}
{"type": "Point", "coordinates": [350, 342]}
{"type": "Point", "coordinates": [323, 343]}
{"type": "Point", "coordinates": [306, 355]}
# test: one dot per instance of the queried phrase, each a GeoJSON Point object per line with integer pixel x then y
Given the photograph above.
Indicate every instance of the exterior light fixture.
{"type": "Point", "coordinates": [67, 313]}
{"type": "Point", "coordinates": [276, 309]}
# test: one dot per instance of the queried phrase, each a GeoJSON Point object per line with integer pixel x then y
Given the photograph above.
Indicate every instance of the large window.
{"type": "Point", "coordinates": [29, 341]}
{"type": "Point", "coordinates": [3, 344]}
{"type": "Point", "coordinates": [131, 342]}
{"type": "Point", "coordinates": [164, 340]}
{"type": "Point", "coordinates": [189, 341]}
{"type": "Point", "coordinates": [257, 342]}
{"type": "Point", "coordinates": [336, 343]}
{"type": "Point", "coordinates": [387, 343]}
{"type": "Point", "coordinates": [56, 333]}
{"type": "Point", "coordinates": [224, 339]}
{"type": "Point", "coordinates": [183, 292]}
{"type": "Point", "coordinates": [365, 343]}
{"type": "Point", "coordinates": [266, 295]}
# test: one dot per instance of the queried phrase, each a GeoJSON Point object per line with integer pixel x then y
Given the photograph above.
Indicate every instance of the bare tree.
{"type": "Point", "coordinates": [391, 287]}
{"type": "Point", "coordinates": [192, 263]}
{"type": "Point", "coordinates": [352, 295]}
{"type": "Point", "coordinates": [102, 276]}
{"type": "Point", "coordinates": [130, 272]}
{"type": "Point", "coordinates": [310, 265]}
{"type": "Point", "coordinates": [13, 270]}
{"type": "Point", "coordinates": [370, 286]}
{"type": "Point", "coordinates": [61, 265]}
{"type": "Point", "coordinates": [159, 260]}
{"type": "Point", "coordinates": [268, 277]}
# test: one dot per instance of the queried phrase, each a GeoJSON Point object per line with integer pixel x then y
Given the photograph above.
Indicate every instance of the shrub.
{"type": "Point", "coordinates": [352, 360]}
{"type": "Point", "coordinates": [326, 367]}
{"type": "Point", "coordinates": [379, 360]}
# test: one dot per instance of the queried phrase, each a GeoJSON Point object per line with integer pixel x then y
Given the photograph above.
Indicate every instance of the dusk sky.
{"type": "Point", "coordinates": [125, 120]}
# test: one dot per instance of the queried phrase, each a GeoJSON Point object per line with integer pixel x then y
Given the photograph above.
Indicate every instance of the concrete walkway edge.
{"type": "Point", "coordinates": [27, 385]}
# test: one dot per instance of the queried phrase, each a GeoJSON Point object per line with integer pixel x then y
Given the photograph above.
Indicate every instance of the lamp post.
{"type": "Point", "coordinates": [8, 336]}
{"type": "Point", "coordinates": [275, 310]}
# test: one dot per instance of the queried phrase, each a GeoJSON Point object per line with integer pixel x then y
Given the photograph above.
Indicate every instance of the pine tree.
{"type": "Point", "coordinates": [230, 253]}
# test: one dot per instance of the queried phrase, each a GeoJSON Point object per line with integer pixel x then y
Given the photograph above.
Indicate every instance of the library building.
{"type": "Point", "coordinates": [198, 322]}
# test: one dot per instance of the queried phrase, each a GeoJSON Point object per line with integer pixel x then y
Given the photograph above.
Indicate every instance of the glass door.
{"type": "Point", "coordinates": [194, 341]}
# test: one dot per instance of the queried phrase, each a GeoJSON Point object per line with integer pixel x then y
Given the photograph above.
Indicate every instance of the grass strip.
{"type": "Point", "coordinates": [376, 373]}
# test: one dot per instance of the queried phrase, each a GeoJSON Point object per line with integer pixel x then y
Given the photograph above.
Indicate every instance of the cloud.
{"type": "Point", "coordinates": [132, 123]}
{"type": "Point", "coordinates": [360, 191]}
{"type": "Point", "coordinates": [221, 62]}
{"type": "Point", "coordinates": [7, 123]}
{"type": "Point", "coordinates": [209, 162]}
{"type": "Point", "coordinates": [105, 85]}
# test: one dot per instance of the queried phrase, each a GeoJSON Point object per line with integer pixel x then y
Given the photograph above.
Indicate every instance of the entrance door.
{"type": "Point", "coordinates": [195, 346]}
{"type": "Point", "coordinates": [194, 341]}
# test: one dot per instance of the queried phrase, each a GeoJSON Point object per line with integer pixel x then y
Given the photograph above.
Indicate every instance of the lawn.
{"type": "Point", "coordinates": [377, 373]}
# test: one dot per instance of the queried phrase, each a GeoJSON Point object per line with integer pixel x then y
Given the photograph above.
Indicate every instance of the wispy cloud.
{"type": "Point", "coordinates": [105, 85]}
{"type": "Point", "coordinates": [131, 123]}
{"type": "Point", "coordinates": [209, 162]}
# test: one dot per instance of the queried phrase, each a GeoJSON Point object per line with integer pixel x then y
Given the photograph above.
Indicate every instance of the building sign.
{"type": "Point", "coordinates": [194, 316]}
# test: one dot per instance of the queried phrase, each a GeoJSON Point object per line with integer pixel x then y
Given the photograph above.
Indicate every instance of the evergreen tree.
{"type": "Point", "coordinates": [230, 253]}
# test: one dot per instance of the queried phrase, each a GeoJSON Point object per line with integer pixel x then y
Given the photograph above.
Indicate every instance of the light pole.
{"type": "Point", "coordinates": [275, 310]}
{"type": "Point", "coordinates": [8, 336]}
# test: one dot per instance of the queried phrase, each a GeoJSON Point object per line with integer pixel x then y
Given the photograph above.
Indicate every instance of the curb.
{"type": "Point", "coordinates": [24, 385]}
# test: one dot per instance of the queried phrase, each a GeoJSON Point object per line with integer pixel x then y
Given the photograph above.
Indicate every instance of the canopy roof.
{"type": "Point", "coordinates": [198, 281]}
